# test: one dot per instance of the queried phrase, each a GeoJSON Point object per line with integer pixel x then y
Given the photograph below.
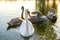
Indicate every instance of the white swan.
{"type": "Point", "coordinates": [26, 28]}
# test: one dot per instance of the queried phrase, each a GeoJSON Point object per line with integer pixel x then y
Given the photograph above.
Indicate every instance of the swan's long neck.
{"type": "Point", "coordinates": [22, 13]}
{"type": "Point", "coordinates": [26, 18]}
{"type": "Point", "coordinates": [26, 14]}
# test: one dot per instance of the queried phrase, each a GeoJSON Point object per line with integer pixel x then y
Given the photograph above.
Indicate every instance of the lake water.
{"type": "Point", "coordinates": [13, 33]}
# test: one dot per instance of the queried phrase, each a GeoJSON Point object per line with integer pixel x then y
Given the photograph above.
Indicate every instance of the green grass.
{"type": "Point", "coordinates": [46, 29]}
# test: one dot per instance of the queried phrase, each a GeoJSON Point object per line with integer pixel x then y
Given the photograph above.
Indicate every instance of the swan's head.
{"type": "Point", "coordinates": [27, 11]}
{"type": "Point", "coordinates": [22, 8]}
{"type": "Point", "coordinates": [52, 10]}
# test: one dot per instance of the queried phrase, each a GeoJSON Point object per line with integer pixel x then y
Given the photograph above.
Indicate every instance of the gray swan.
{"type": "Point", "coordinates": [16, 21]}
{"type": "Point", "coordinates": [52, 15]}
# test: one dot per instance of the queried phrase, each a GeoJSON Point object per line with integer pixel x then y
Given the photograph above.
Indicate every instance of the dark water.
{"type": "Point", "coordinates": [13, 33]}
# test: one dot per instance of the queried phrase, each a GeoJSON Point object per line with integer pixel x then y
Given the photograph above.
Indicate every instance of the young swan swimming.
{"type": "Point", "coordinates": [26, 28]}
